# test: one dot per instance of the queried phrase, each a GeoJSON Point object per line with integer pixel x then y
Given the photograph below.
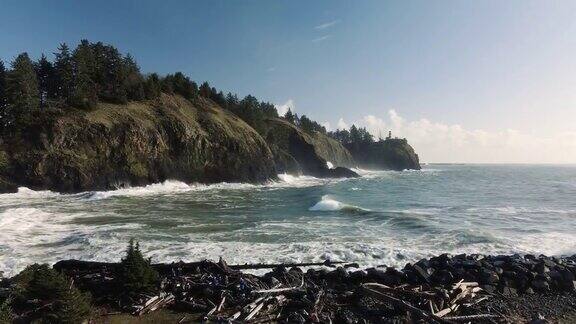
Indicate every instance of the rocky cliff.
{"type": "Point", "coordinates": [296, 151]}
{"type": "Point", "coordinates": [389, 154]}
{"type": "Point", "coordinates": [134, 144]}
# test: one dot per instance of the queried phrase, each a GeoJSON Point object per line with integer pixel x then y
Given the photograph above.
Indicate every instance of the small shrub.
{"type": "Point", "coordinates": [136, 275]}
{"type": "Point", "coordinates": [6, 316]}
{"type": "Point", "coordinates": [69, 305]}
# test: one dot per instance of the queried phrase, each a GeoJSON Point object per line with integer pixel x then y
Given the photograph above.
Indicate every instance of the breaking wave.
{"type": "Point", "coordinates": [169, 187]}
{"type": "Point", "coordinates": [329, 204]}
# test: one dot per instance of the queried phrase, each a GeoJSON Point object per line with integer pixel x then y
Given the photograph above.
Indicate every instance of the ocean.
{"type": "Point", "coordinates": [382, 218]}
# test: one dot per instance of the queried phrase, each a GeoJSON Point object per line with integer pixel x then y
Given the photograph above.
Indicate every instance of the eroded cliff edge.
{"type": "Point", "coordinates": [144, 142]}
{"type": "Point", "coordinates": [134, 144]}
{"type": "Point", "coordinates": [389, 154]}
{"type": "Point", "coordinates": [299, 152]}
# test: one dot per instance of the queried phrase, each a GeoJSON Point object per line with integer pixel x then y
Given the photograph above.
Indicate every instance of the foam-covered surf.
{"type": "Point", "coordinates": [383, 217]}
{"type": "Point", "coordinates": [327, 203]}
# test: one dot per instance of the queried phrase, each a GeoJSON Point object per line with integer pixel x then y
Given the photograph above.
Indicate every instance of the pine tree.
{"type": "Point", "coordinates": [152, 86]}
{"type": "Point", "coordinates": [205, 90]}
{"type": "Point", "coordinates": [110, 74]}
{"type": "Point", "coordinates": [289, 116]}
{"type": "Point", "coordinates": [45, 74]}
{"type": "Point", "coordinates": [22, 85]}
{"type": "Point", "coordinates": [3, 99]}
{"type": "Point", "coordinates": [85, 92]}
{"type": "Point", "coordinates": [134, 80]}
{"type": "Point", "coordinates": [183, 86]}
{"type": "Point", "coordinates": [41, 282]}
{"type": "Point", "coordinates": [136, 275]}
{"type": "Point", "coordinates": [64, 71]}
{"type": "Point", "coordinates": [231, 101]}
{"type": "Point", "coordinates": [355, 136]}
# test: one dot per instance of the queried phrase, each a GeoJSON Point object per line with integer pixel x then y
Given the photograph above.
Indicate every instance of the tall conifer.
{"type": "Point", "coordinates": [64, 70]}
{"type": "Point", "coordinates": [22, 85]}
{"type": "Point", "coordinates": [85, 92]}
{"type": "Point", "coordinates": [46, 76]}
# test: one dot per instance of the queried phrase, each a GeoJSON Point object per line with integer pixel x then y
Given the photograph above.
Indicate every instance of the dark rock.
{"type": "Point", "coordinates": [471, 264]}
{"type": "Point", "coordinates": [540, 285]}
{"type": "Point", "coordinates": [443, 277]}
{"type": "Point", "coordinates": [488, 288]}
{"type": "Point", "coordinates": [541, 268]}
{"type": "Point", "coordinates": [339, 172]}
{"type": "Point", "coordinates": [488, 277]}
{"type": "Point", "coordinates": [339, 274]}
{"type": "Point", "coordinates": [358, 276]}
{"type": "Point", "coordinates": [530, 257]}
{"type": "Point", "coordinates": [507, 291]}
{"type": "Point", "coordinates": [296, 317]}
{"type": "Point", "coordinates": [423, 274]}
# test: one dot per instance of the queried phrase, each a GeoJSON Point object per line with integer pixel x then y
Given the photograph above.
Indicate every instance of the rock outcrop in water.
{"type": "Point", "coordinates": [388, 154]}
{"type": "Point", "coordinates": [296, 151]}
{"type": "Point", "coordinates": [135, 144]}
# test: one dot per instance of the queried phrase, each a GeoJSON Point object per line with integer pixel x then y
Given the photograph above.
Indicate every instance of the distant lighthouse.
{"type": "Point", "coordinates": [389, 134]}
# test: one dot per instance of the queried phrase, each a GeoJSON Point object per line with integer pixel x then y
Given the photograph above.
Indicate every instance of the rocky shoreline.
{"type": "Point", "coordinates": [173, 138]}
{"type": "Point", "coordinates": [442, 289]}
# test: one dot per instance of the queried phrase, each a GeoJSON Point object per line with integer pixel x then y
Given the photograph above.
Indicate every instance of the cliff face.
{"type": "Point", "coordinates": [390, 154]}
{"type": "Point", "coordinates": [136, 144]}
{"type": "Point", "coordinates": [296, 151]}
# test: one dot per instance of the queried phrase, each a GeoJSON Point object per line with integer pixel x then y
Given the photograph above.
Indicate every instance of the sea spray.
{"type": "Point", "coordinates": [329, 204]}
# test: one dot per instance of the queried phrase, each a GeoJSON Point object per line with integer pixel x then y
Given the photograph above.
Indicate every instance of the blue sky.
{"type": "Point", "coordinates": [464, 81]}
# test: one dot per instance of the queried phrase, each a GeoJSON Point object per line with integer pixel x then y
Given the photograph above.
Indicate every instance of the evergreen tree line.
{"type": "Point", "coordinates": [305, 123]}
{"type": "Point", "coordinates": [94, 72]}
{"type": "Point", "coordinates": [354, 136]}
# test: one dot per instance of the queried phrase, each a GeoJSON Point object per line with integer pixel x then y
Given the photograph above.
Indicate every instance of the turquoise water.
{"type": "Point", "coordinates": [384, 217]}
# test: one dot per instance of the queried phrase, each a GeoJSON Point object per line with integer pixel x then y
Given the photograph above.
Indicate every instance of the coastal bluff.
{"type": "Point", "coordinates": [299, 152]}
{"type": "Point", "coordinates": [142, 142]}
{"type": "Point", "coordinates": [135, 144]}
{"type": "Point", "coordinates": [388, 154]}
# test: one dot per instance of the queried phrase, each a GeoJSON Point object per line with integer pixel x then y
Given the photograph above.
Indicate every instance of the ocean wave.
{"type": "Point", "coordinates": [168, 187]}
{"type": "Point", "coordinates": [173, 187]}
{"type": "Point", "coordinates": [513, 210]}
{"type": "Point", "coordinates": [292, 181]}
{"type": "Point", "coordinates": [329, 204]}
{"type": "Point", "coordinates": [25, 195]}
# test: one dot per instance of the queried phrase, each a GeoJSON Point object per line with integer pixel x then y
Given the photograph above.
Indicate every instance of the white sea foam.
{"type": "Point", "coordinates": [553, 243]}
{"type": "Point", "coordinates": [172, 187]}
{"type": "Point", "coordinates": [168, 187]}
{"type": "Point", "coordinates": [329, 165]}
{"type": "Point", "coordinates": [287, 180]}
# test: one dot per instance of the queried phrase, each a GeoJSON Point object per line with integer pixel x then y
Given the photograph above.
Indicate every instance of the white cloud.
{"type": "Point", "coordinates": [326, 125]}
{"type": "Point", "coordinates": [327, 25]}
{"type": "Point", "coordinates": [282, 109]}
{"type": "Point", "coordinates": [320, 39]}
{"type": "Point", "coordinates": [342, 124]}
{"type": "Point", "coordinates": [441, 142]}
